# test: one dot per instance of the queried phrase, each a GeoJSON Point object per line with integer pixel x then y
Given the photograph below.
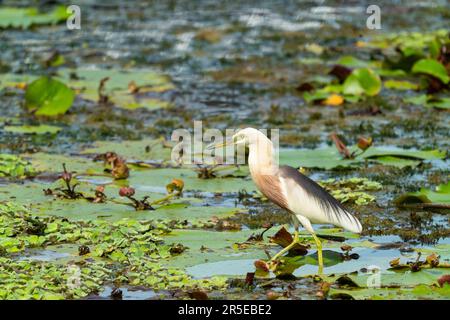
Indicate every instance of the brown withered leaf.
{"type": "Point", "coordinates": [340, 146]}
{"type": "Point", "coordinates": [177, 249]}
{"type": "Point", "coordinates": [340, 72]}
{"type": "Point", "coordinates": [272, 295]}
{"type": "Point", "coordinates": [198, 295]}
{"type": "Point", "coordinates": [305, 87]}
{"type": "Point", "coordinates": [132, 87]}
{"type": "Point", "coordinates": [395, 262]}
{"type": "Point", "coordinates": [176, 185]}
{"type": "Point", "coordinates": [249, 278]}
{"type": "Point", "coordinates": [102, 97]}
{"type": "Point", "coordinates": [120, 169]}
{"type": "Point", "coordinates": [222, 225]}
{"type": "Point", "coordinates": [283, 238]}
{"type": "Point", "coordinates": [346, 248]}
{"type": "Point", "coordinates": [324, 290]}
{"type": "Point", "coordinates": [364, 143]}
{"type": "Point", "coordinates": [444, 279]}
{"type": "Point", "coordinates": [261, 265]}
{"type": "Point", "coordinates": [433, 260]}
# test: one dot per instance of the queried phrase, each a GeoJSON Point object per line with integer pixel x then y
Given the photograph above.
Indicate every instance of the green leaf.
{"type": "Point", "coordinates": [40, 129]}
{"type": "Point", "coordinates": [362, 81]}
{"type": "Point", "coordinates": [315, 96]}
{"type": "Point", "coordinates": [329, 158]}
{"type": "Point", "coordinates": [87, 80]}
{"type": "Point", "coordinates": [128, 101]}
{"type": "Point", "coordinates": [432, 68]}
{"type": "Point", "coordinates": [352, 62]}
{"type": "Point", "coordinates": [49, 97]}
{"type": "Point", "coordinates": [417, 100]}
{"type": "Point", "coordinates": [440, 195]}
{"type": "Point", "coordinates": [400, 85]}
{"type": "Point", "coordinates": [14, 166]}
{"type": "Point", "coordinates": [24, 18]}
{"type": "Point", "coordinates": [442, 103]}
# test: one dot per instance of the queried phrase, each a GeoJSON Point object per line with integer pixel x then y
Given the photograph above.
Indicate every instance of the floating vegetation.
{"type": "Point", "coordinates": [137, 245]}
{"type": "Point", "coordinates": [48, 97]}
{"type": "Point", "coordinates": [438, 199]}
{"type": "Point", "coordinates": [122, 216]}
{"type": "Point", "coordinates": [24, 18]}
{"type": "Point", "coordinates": [15, 167]}
{"type": "Point", "coordinates": [352, 190]}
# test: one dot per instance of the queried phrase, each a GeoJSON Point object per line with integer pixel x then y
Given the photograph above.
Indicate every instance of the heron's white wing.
{"type": "Point", "coordinates": [306, 198]}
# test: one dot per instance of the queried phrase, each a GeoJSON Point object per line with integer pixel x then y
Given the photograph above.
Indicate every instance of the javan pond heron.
{"type": "Point", "coordinates": [304, 199]}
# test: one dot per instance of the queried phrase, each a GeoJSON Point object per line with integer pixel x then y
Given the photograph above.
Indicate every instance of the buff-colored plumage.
{"type": "Point", "coordinates": [304, 199]}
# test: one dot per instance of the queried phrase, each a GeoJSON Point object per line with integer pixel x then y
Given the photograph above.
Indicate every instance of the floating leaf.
{"type": "Point", "coordinates": [26, 17]}
{"type": "Point", "coordinates": [314, 48]}
{"type": "Point", "coordinates": [352, 62]}
{"type": "Point", "coordinates": [130, 102]}
{"type": "Point", "coordinates": [40, 129]}
{"type": "Point", "coordinates": [441, 103]}
{"type": "Point", "coordinates": [14, 166]}
{"type": "Point", "coordinates": [48, 97]}
{"type": "Point", "coordinates": [362, 81]}
{"type": "Point", "coordinates": [87, 81]}
{"type": "Point", "coordinates": [432, 68]}
{"type": "Point", "coordinates": [329, 158]}
{"type": "Point", "coordinates": [400, 85]}
{"type": "Point", "coordinates": [440, 195]}
{"type": "Point", "coordinates": [315, 96]}
{"type": "Point", "coordinates": [417, 100]}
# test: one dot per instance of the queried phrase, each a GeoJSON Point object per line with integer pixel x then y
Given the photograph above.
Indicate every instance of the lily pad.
{"type": "Point", "coordinates": [24, 18]}
{"type": "Point", "coordinates": [132, 102]}
{"type": "Point", "coordinates": [156, 179]}
{"type": "Point", "coordinates": [400, 85]}
{"type": "Point", "coordinates": [117, 86]}
{"type": "Point", "coordinates": [143, 150]}
{"type": "Point", "coordinates": [329, 158]}
{"type": "Point", "coordinates": [362, 81]}
{"type": "Point", "coordinates": [392, 293]}
{"type": "Point", "coordinates": [15, 167]}
{"type": "Point", "coordinates": [48, 97]}
{"type": "Point", "coordinates": [114, 208]}
{"type": "Point", "coordinates": [432, 68]}
{"type": "Point", "coordinates": [352, 62]}
{"type": "Point", "coordinates": [440, 103]}
{"type": "Point", "coordinates": [40, 129]}
{"type": "Point", "coordinates": [440, 195]}
{"type": "Point", "coordinates": [417, 100]}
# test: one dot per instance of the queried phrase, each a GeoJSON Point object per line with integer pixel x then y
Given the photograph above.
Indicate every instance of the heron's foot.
{"type": "Point", "coordinates": [295, 241]}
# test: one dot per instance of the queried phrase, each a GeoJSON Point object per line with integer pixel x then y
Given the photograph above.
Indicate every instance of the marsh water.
{"type": "Point", "coordinates": [230, 64]}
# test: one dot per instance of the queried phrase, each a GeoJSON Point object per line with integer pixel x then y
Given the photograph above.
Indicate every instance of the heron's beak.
{"type": "Point", "coordinates": [220, 145]}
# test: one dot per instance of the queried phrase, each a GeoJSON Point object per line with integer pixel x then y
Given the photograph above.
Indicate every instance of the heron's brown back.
{"type": "Point", "coordinates": [270, 186]}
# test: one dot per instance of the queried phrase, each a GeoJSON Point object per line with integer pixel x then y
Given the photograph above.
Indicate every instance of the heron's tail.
{"type": "Point", "coordinates": [349, 222]}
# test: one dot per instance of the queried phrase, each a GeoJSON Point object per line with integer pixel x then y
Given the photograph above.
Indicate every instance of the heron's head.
{"type": "Point", "coordinates": [248, 137]}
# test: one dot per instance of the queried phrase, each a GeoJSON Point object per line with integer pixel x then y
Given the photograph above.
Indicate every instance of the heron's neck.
{"type": "Point", "coordinates": [260, 159]}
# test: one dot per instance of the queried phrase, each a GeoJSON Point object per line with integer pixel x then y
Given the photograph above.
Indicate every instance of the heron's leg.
{"type": "Point", "coordinates": [319, 252]}
{"type": "Point", "coordinates": [289, 247]}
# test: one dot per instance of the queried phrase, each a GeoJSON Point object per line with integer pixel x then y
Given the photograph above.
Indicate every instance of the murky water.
{"type": "Point", "coordinates": [245, 75]}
